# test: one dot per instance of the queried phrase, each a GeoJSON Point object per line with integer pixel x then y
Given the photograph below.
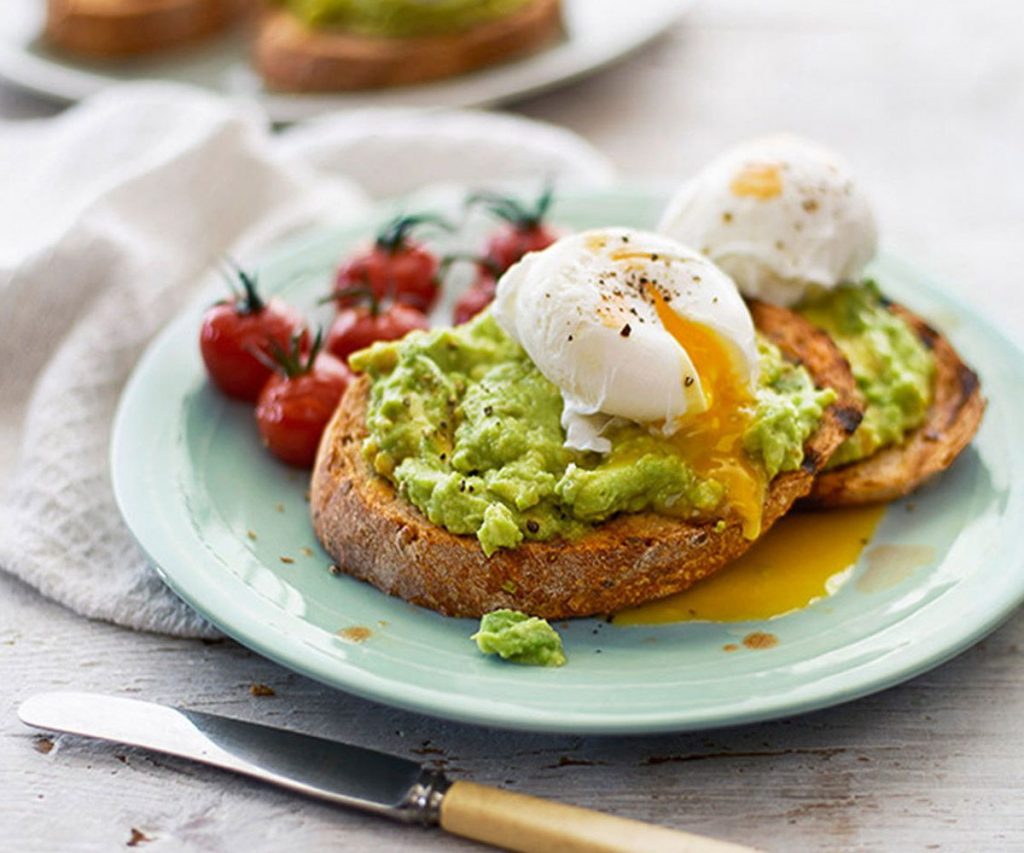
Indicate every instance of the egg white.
{"type": "Point", "coordinates": [582, 312]}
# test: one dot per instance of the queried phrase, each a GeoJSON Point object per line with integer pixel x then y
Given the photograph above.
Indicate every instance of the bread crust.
{"type": "Point", "coordinates": [951, 423]}
{"type": "Point", "coordinates": [102, 29]}
{"type": "Point", "coordinates": [375, 536]}
{"type": "Point", "coordinates": [294, 57]}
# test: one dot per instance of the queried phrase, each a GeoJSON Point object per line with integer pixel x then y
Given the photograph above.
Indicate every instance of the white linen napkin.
{"type": "Point", "coordinates": [109, 215]}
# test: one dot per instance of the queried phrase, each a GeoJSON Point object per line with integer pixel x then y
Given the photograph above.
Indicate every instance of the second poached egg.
{"type": "Point", "coordinates": [781, 215]}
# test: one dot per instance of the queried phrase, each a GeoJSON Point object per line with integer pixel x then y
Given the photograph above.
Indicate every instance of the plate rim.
{"type": "Point", "coordinates": [477, 710]}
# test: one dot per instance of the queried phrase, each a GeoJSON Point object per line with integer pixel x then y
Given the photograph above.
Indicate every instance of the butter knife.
{"type": "Point", "coordinates": [357, 777]}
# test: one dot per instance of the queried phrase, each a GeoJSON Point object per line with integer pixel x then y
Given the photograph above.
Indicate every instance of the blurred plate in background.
{"type": "Point", "coordinates": [599, 33]}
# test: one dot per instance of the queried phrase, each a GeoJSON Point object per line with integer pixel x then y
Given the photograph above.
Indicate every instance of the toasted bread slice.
{"type": "Point", "coordinates": [109, 29]}
{"type": "Point", "coordinates": [951, 423]}
{"type": "Point", "coordinates": [294, 57]}
{"type": "Point", "coordinates": [379, 537]}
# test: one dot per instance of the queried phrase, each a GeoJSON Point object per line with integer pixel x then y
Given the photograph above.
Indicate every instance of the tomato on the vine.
{"type": "Point", "coordinates": [299, 400]}
{"type": "Point", "coordinates": [523, 230]}
{"type": "Point", "coordinates": [474, 300]}
{"type": "Point", "coordinates": [480, 294]}
{"type": "Point", "coordinates": [395, 267]}
{"type": "Point", "coordinates": [357, 327]}
{"type": "Point", "coordinates": [238, 334]}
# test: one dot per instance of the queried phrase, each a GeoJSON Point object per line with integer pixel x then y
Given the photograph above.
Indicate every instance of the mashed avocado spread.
{"type": "Point", "coordinates": [468, 430]}
{"type": "Point", "coordinates": [893, 369]}
{"type": "Point", "coordinates": [519, 638]}
{"type": "Point", "coordinates": [402, 18]}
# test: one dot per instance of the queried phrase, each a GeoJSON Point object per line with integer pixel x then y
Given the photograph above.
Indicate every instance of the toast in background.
{"type": "Point", "coordinates": [292, 56]}
{"type": "Point", "coordinates": [111, 29]}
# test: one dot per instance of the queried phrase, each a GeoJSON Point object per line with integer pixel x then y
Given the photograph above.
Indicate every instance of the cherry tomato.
{"type": "Point", "coordinates": [523, 230]}
{"type": "Point", "coordinates": [236, 333]}
{"type": "Point", "coordinates": [474, 300]}
{"type": "Point", "coordinates": [511, 241]}
{"type": "Point", "coordinates": [394, 267]}
{"type": "Point", "coordinates": [356, 328]}
{"type": "Point", "coordinates": [294, 408]}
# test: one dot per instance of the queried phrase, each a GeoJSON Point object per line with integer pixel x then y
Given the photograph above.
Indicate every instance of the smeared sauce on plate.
{"type": "Point", "coordinates": [760, 640]}
{"type": "Point", "coordinates": [797, 562]}
{"type": "Point", "coordinates": [355, 634]}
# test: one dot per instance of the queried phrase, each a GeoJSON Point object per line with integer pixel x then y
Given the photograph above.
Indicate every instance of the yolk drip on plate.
{"type": "Point", "coordinates": [712, 441]}
{"type": "Point", "coordinates": [792, 566]}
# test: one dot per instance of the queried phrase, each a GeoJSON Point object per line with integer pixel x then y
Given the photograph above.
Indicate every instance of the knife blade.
{"type": "Point", "coordinates": [327, 769]}
{"type": "Point", "coordinates": [348, 775]}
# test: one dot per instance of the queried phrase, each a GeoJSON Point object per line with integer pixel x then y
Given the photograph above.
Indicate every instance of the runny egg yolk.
{"type": "Point", "coordinates": [712, 441]}
{"type": "Point", "coordinates": [782, 572]}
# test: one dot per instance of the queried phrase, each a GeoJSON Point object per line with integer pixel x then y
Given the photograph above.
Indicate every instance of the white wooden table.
{"type": "Point", "coordinates": [928, 101]}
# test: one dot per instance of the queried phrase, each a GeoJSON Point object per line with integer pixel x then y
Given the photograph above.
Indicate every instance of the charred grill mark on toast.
{"type": "Point", "coordinates": [849, 417]}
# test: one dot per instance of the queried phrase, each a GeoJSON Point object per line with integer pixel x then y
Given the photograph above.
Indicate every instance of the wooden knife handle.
{"type": "Point", "coordinates": [531, 825]}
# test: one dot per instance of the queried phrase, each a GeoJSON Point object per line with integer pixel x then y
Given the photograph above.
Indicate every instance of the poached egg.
{"type": "Point", "coordinates": [781, 215]}
{"type": "Point", "coordinates": [634, 326]}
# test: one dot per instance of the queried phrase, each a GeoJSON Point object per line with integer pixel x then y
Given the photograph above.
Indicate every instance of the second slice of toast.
{"type": "Point", "coordinates": [952, 421]}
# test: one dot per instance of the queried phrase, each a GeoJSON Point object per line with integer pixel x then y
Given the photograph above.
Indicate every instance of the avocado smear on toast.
{"type": "Point", "coordinates": [468, 430]}
{"type": "Point", "coordinates": [402, 18]}
{"type": "Point", "coordinates": [894, 370]}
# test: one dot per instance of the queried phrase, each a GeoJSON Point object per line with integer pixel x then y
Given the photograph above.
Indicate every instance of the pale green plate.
{"type": "Point", "coordinates": [191, 480]}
